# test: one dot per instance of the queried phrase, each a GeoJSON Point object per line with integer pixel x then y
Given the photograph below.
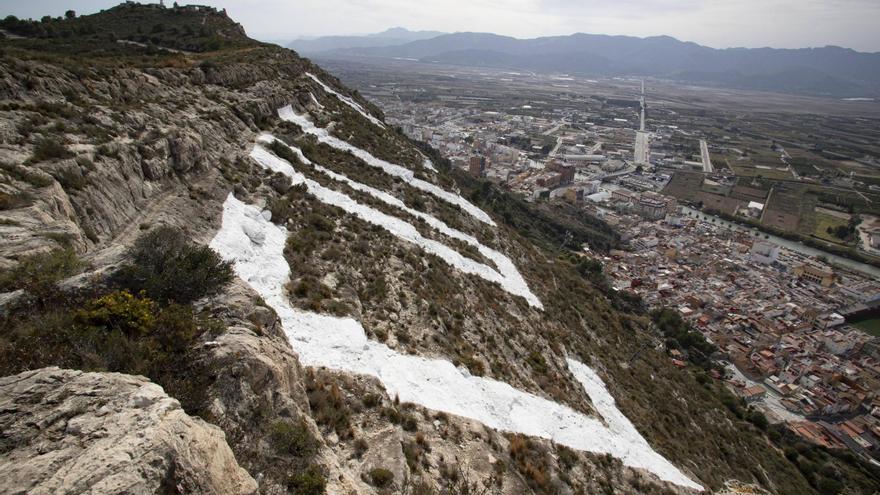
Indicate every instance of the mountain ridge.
{"type": "Point", "coordinates": [829, 70]}
{"type": "Point", "coordinates": [389, 37]}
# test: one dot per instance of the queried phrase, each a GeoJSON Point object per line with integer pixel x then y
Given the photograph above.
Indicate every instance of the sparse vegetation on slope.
{"type": "Point", "coordinates": [38, 273]}
{"type": "Point", "coordinates": [97, 326]}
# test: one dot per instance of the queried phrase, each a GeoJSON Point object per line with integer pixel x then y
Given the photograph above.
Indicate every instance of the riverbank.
{"type": "Point", "coordinates": [796, 246]}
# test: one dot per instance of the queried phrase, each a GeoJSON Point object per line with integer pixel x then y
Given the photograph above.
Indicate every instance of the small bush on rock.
{"type": "Point", "coordinates": [38, 272]}
{"type": "Point", "coordinates": [49, 149]}
{"type": "Point", "coordinates": [381, 477]}
{"type": "Point", "coordinates": [120, 311]}
{"type": "Point", "coordinates": [114, 331]}
{"type": "Point", "coordinates": [292, 438]}
{"type": "Point", "coordinates": [308, 482]}
{"type": "Point", "coordinates": [329, 407]}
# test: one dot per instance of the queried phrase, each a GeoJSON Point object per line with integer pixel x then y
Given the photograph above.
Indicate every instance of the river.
{"type": "Point", "coordinates": [840, 261]}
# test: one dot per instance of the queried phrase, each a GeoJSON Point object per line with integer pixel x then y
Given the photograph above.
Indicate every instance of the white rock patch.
{"type": "Point", "coordinates": [396, 226]}
{"type": "Point", "coordinates": [315, 101]}
{"type": "Point", "coordinates": [287, 113]}
{"type": "Point", "coordinates": [427, 163]}
{"type": "Point", "coordinates": [513, 280]}
{"type": "Point", "coordinates": [342, 344]}
{"type": "Point", "coordinates": [348, 101]}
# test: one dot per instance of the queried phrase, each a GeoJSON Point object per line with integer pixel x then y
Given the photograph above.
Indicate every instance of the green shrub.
{"type": "Point", "coordinates": [680, 335]}
{"type": "Point", "coordinates": [321, 222]}
{"type": "Point", "coordinates": [108, 151]}
{"type": "Point", "coordinates": [410, 423]}
{"type": "Point", "coordinates": [732, 402]}
{"type": "Point", "coordinates": [829, 486]}
{"type": "Point", "coordinates": [531, 461]}
{"type": "Point", "coordinates": [117, 331]}
{"type": "Point", "coordinates": [381, 477]}
{"type": "Point", "coordinates": [308, 482]}
{"type": "Point", "coordinates": [90, 233]}
{"type": "Point", "coordinates": [176, 328]}
{"type": "Point", "coordinates": [371, 400]}
{"type": "Point", "coordinates": [48, 149]}
{"type": "Point", "coordinates": [392, 415]}
{"type": "Point", "coordinates": [120, 311]}
{"type": "Point", "coordinates": [537, 361]}
{"type": "Point", "coordinates": [38, 272]}
{"type": "Point", "coordinates": [758, 419]}
{"type": "Point", "coordinates": [292, 438]}
{"type": "Point", "coordinates": [282, 151]}
{"type": "Point", "coordinates": [473, 364]}
{"type": "Point", "coordinates": [413, 453]}
{"type": "Point", "coordinates": [61, 238]}
{"type": "Point", "coordinates": [168, 267]}
{"type": "Point", "coordinates": [568, 458]}
{"type": "Point", "coordinates": [360, 447]}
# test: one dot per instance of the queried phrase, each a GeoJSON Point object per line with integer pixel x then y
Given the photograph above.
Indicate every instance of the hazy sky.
{"type": "Point", "coordinates": [717, 23]}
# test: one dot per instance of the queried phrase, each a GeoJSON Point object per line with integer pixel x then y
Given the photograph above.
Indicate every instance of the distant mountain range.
{"type": "Point", "coordinates": [390, 37]}
{"type": "Point", "coordinates": [828, 71]}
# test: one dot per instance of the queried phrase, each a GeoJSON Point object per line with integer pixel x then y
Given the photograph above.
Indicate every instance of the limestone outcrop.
{"type": "Point", "coordinates": [67, 431]}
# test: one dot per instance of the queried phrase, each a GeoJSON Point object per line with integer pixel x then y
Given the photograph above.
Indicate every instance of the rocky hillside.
{"type": "Point", "coordinates": [367, 319]}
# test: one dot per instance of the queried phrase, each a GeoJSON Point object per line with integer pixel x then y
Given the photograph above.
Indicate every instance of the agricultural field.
{"type": "Point", "coordinates": [827, 222]}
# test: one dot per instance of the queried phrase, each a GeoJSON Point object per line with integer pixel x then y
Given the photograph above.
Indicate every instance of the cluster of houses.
{"type": "Point", "coordinates": [775, 315]}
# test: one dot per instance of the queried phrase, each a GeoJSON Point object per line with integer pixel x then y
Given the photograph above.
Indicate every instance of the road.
{"type": "Point", "coordinates": [784, 156]}
{"type": "Point", "coordinates": [556, 148]}
{"type": "Point", "coordinates": [642, 146]}
{"type": "Point", "coordinates": [642, 112]}
{"type": "Point", "coordinates": [10, 36]}
{"type": "Point", "coordinates": [707, 160]}
{"type": "Point", "coordinates": [554, 129]}
{"type": "Point", "coordinates": [640, 155]}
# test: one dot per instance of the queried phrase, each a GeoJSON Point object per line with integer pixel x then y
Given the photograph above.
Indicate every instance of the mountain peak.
{"type": "Point", "coordinates": [395, 31]}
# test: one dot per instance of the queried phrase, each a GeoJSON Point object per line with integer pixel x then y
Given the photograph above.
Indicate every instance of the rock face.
{"type": "Point", "coordinates": [66, 431]}
{"type": "Point", "coordinates": [125, 167]}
